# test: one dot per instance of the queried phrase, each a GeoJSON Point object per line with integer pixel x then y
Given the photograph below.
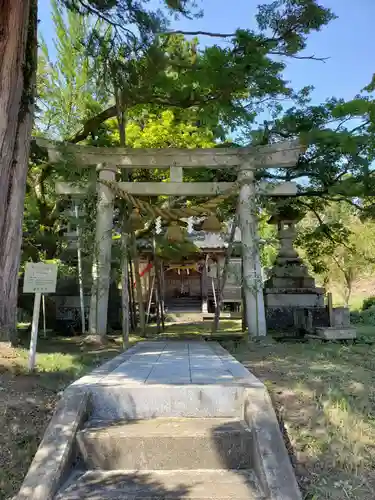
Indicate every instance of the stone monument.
{"type": "Point", "coordinates": [339, 324]}
{"type": "Point", "coordinates": [292, 299]}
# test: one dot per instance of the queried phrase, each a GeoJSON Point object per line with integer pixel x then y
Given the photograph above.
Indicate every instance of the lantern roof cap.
{"type": "Point", "coordinates": [286, 214]}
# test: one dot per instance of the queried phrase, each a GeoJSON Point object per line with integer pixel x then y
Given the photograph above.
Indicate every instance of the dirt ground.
{"type": "Point", "coordinates": [25, 409]}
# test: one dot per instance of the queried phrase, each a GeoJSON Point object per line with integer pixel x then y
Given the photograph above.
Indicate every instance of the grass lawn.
{"type": "Point", "coordinates": [323, 392]}
{"type": "Point", "coordinates": [27, 401]}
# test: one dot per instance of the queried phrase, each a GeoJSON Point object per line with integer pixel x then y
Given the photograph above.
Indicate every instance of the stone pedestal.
{"type": "Point", "coordinates": [340, 328]}
{"type": "Point", "coordinates": [340, 316]}
{"type": "Point", "coordinates": [336, 333]}
{"type": "Point", "coordinates": [291, 298]}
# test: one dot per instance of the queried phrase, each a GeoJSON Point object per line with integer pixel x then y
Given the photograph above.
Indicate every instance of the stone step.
{"type": "Point", "coordinates": [167, 443]}
{"type": "Point", "coordinates": [157, 485]}
{"type": "Point", "coordinates": [184, 305]}
{"type": "Point", "coordinates": [183, 300]}
{"type": "Point", "coordinates": [186, 310]}
{"type": "Point", "coordinates": [174, 388]}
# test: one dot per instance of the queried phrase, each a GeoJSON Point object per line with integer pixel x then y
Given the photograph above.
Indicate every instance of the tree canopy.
{"type": "Point", "coordinates": [171, 92]}
{"type": "Point", "coordinates": [229, 83]}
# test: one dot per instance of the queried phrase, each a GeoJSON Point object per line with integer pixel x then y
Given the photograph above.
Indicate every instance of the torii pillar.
{"type": "Point", "coordinates": [251, 266]}
{"type": "Point", "coordinates": [101, 265]}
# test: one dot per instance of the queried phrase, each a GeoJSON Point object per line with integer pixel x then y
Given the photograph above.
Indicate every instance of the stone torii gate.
{"type": "Point", "coordinates": [246, 160]}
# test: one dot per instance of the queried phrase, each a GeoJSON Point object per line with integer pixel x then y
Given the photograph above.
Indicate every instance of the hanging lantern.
{"type": "Point", "coordinates": [135, 220]}
{"type": "Point", "coordinates": [211, 224]}
{"type": "Point", "coordinates": [174, 233]}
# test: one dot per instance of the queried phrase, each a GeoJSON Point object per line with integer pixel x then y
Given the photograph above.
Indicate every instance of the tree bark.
{"type": "Point", "coordinates": [347, 288]}
{"type": "Point", "coordinates": [133, 312]}
{"type": "Point", "coordinates": [138, 284]}
{"type": "Point", "coordinates": [158, 289]}
{"type": "Point", "coordinates": [125, 290]}
{"type": "Point", "coordinates": [125, 313]}
{"type": "Point", "coordinates": [243, 305]}
{"type": "Point", "coordinates": [18, 49]}
{"type": "Point", "coordinates": [222, 279]}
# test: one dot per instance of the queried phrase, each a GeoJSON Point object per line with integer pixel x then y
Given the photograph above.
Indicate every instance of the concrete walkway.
{"type": "Point", "coordinates": [165, 419]}
{"type": "Point", "coordinates": [175, 362]}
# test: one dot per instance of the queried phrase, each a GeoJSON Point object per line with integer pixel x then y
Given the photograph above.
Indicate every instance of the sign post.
{"type": "Point", "coordinates": [44, 316]}
{"type": "Point", "coordinates": [39, 278]}
{"type": "Point", "coordinates": [34, 331]}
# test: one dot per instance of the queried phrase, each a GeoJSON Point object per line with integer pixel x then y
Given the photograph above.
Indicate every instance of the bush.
{"type": "Point", "coordinates": [367, 303]}
{"type": "Point", "coordinates": [355, 317]}
{"type": "Point", "coordinates": [365, 317]}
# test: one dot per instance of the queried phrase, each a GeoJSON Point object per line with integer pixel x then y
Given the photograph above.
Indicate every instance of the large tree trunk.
{"type": "Point", "coordinates": [125, 306]}
{"type": "Point", "coordinates": [121, 122]}
{"type": "Point", "coordinates": [222, 279]}
{"type": "Point", "coordinates": [18, 46]}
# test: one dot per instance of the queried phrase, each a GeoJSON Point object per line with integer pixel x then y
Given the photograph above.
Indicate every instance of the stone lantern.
{"type": "Point", "coordinates": [291, 298]}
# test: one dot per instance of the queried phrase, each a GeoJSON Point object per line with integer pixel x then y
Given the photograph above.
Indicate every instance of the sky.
{"type": "Point", "coordinates": [348, 42]}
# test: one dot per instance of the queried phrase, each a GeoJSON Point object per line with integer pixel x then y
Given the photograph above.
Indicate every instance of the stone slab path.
{"type": "Point", "coordinates": [175, 362]}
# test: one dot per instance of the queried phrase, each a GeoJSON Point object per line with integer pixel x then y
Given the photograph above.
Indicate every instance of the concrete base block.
{"type": "Point", "coordinates": [293, 319]}
{"type": "Point", "coordinates": [292, 282]}
{"type": "Point", "coordinates": [340, 317]}
{"type": "Point", "coordinates": [293, 299]}
{"type": "Point", "coordinates": [337, 333]}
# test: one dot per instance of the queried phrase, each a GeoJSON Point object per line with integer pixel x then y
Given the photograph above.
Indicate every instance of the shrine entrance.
{"type": "Point", "coordinates": [183, 288]}
{"type": "Point", "coordinates": [182, 281]}
{"type": "Point", "coordinates": [245, 161]}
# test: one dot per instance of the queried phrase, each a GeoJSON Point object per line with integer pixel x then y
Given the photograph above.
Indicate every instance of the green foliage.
{"type": "Point", "coordinates": [67, 93]}
{"type": "Point", "coordinates": [340, 141]}
{"type": "Point", "coordinates": [368, 303]}
{"type": "Point", "coordinates": [336, 162]}
{"type": "Point", "coordinates": [267, 235]}
{"type": "Point", "coordinates": [365, 317]}
{"type": "Point", "coordinates": [292, 20]}
{"type": "Point", "coordinates": [165, 129]}
{"type": "Point", "coordinates": [338, 246]}
{"type": "Point", "coordinates": [175, 94]}
{"type": "Point", "coordinates": [174, 252]}
{"type": "Point", "coordinates": [319, 241]}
